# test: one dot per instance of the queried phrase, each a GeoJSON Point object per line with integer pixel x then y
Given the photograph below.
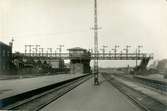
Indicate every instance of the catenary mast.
{"type": "Point", "coordinates": [96, 69]}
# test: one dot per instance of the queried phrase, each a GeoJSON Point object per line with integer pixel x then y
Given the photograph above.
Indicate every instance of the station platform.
{"type": "Point", "coordinates": [88, 97]}
{"type": "Point", "coordinates": [13, 87]}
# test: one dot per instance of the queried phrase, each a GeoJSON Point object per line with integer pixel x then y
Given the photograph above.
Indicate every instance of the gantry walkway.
{"type": "Point", "coordinates": [101, 56]}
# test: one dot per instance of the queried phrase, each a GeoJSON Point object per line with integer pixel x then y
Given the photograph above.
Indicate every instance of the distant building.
{"type": "Point", "coordinates": [5, 57]}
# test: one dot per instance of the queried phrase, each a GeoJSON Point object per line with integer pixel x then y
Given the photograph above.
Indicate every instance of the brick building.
{"type": "Point", "coordinates": [5, 58]}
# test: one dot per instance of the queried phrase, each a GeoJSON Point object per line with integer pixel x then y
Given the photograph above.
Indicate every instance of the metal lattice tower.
{"type": "Point", "coordinates": [96, 70]}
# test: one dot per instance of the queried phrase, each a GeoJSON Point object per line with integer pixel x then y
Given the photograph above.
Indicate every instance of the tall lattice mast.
{"type": "Point", "coordinates": [96, 70]}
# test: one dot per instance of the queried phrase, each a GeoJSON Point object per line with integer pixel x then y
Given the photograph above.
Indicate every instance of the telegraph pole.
{"type": "Point", "coordinates": [115, 50]}
{"type": "Point", "coordinates": [11, 44]}
{"type": "Point", "coordinates": [42, 49]}
{"type": "Point", "coordinates": [121, 54]}
{"type": "Point", "coordinates": [109, 53]}
{"type": "Point", "coordinates": [95, 28]}
{"type": "Point", "coordinates": [138, 53]}
{"type": "Point", "coordinates": [25, 49]}
{"type": "Point", "coordinates": [60, 60]}
{"type": "Point", "coordinates": [139, 49]}
{"type": "Point", "coordinates": [50, 50]}
{"type": "Point", "coordinates": [30, 48]}
{"type": "Point", "coordinates": [60, 49]}
{"type": "Point", "coordinates": [55, 53]}
{"type": "Point", "coordinates": [127, 50]}
{"type": "Point", "coordinates": [103, 49]}
{"type": "Point", "coordinates": [136, 57]}
{"type": "Point", "coordinates": [36, 49]}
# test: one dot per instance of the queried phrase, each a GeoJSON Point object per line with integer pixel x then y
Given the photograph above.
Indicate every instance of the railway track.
{"type": "Point", "coordinates": [145, 102]}
{"type": "Point", "coordinates": [158, 86]}
{"type": "Point", "coordinates": [39, 101]}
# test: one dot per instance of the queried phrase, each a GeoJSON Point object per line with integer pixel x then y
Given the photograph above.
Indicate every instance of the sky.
{"type": "Point", "coordinates": [69, 22]}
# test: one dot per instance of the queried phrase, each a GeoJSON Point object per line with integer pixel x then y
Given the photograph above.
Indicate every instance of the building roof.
{"type": "Point", "coordinates": [77, 49]}
{"type": "Point", "coordinates": [1, 43]}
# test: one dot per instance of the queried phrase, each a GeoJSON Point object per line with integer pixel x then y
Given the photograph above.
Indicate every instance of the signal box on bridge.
{"type": "Point", "coordinates": [79, 60]}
